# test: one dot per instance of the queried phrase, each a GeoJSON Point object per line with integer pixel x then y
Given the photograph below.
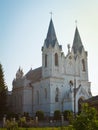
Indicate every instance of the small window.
{"type": "Point", "coordinates": [45, 60]}
{"type": "Point", "coordinates": [57, 95]}
{"type": "Point", "coordinates": [56, 59]}
{"type": "Point", "coordinates": [83, 64]}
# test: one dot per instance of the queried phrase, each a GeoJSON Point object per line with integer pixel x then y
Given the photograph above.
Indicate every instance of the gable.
{"type": "Point", "coordinates": [34, 75]}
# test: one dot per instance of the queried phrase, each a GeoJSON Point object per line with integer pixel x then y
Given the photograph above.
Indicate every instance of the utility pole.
{"type": "Point", "coordinates": [74, 97]}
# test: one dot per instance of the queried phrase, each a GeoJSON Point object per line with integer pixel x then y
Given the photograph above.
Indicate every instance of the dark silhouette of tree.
{"type": "Point", "coordinates": [3, 94]}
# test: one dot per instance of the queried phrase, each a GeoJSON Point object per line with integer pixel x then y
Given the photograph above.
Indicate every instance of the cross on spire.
{"type": "Point", "coordinates": [76, 22]}
{"type": "Point", "coordinates": [51, 14]}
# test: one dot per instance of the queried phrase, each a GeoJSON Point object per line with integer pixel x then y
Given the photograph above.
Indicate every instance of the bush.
{"type": "Point", "coordinates": [12, 115]}
{"type": "Point", "coordinates": [87, 120]}
{"type": "Point", "coordinates": [11, 125]}
{"type": "Point", "coordinates": [22, 121]}
{"type": "Point", "coordinates": [68, 115]}
{"type": "Point", "coordinates": [57, 115]}
{"type": "Point", "coordinates": [40, 115]}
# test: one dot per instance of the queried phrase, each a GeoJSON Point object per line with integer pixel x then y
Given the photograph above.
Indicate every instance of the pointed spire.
{"type": "Point", "coordinates": [51, 35]}
{"type": "Point", "coordinates": [77, 43]}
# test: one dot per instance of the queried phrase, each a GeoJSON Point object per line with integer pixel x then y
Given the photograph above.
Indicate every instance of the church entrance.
{"type": "Point", "coordinates": [80, 101]}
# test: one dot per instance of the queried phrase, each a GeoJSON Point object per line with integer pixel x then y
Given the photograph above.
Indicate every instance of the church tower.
{"type": "Point", "coordinates": [51, 54]}
{"type": "Point", "coordinates": [80, 56]}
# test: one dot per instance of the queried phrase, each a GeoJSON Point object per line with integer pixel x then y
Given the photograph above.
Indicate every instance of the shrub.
{"type": "Point", "coordinates": [11, 125]}
{"type": "Point", "coordinates": [87, 120]}
{"type": "Point", "coordinates": [68, 115]}
{"type": "Point", "coordinates": [40, 115]}
{"type": "Point", "coordinates": [22, 121]}
{"type": "Point", "coordinates": [57, 115]}
{"type": "Point", "coordinates": [12, 115]}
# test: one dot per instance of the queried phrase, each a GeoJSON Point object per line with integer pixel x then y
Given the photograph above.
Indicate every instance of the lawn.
{"type": "Point", "coordinates": [42, 128]}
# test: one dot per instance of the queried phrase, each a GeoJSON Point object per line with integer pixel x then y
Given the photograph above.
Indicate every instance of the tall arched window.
{"type": "Point", "coordinates": [45, 93]}
{"type": "Point", "coordinates": [56, 59]}
{"type": "Point", "coordinates": [83, 64]}
{"type": "Point", "coordinates": [37, 94]}
{"type": "Point", "coordinates": [45, 60]}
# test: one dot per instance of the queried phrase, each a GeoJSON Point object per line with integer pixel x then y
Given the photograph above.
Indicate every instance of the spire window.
{"type": "Point", "coordinates": [46, 60]}
{"type": "Point", "coordinates": [56, 59]}
{"type": "Point", "coordinates": [83, 64]}
{"type": "Point", "coordinates": [45, 93]}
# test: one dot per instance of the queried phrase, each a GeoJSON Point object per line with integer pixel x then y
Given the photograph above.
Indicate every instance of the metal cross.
{"type": "Point", "coordinates": [51, 14]}
{"type": "Point", "coordinates": [76, 22]}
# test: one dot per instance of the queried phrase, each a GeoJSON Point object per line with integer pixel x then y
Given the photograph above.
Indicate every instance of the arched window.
{"type": "Point", "coordinates": [46, 60]}
{"type": "Point", "coordinates": [56, 59]}
{"type": "Point", "coordinates": [45, 93]}
{"type": "Point", "coordinates": [83, 64]}
{"type": "Point", "coordinates": [57, 95]}
{"type": "Point", "coordinates": [37, 94]}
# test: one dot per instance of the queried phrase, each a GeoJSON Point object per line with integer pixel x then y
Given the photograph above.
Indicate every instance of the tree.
{"type": "Point", "coordinates": [87, 120]}
{"type": "Point", "coordinates": [3, 93]}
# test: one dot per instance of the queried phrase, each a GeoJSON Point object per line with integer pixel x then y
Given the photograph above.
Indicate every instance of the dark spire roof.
{"type": "Point", "coordinates": [51, 35]}
{"type": "Point", "coordinates": [77, 43]}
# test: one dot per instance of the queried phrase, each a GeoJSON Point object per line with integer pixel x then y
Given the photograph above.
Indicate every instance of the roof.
{"type": "Point", "coordinates": [34, 75]}
{"type": "Point", "coordinates": [77, 43]}
{"type": "Point", "coordinates": [92, 99]}
{"type": "Point", "coordinates": [51, 35]}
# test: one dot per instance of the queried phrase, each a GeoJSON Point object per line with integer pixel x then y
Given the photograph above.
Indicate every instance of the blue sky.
{"type": "Point", "coordinates": [24, 25]}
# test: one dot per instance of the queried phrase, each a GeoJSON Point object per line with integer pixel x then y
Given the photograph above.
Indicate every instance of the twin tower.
{"type": "Point", "coordinates": [55, 63]}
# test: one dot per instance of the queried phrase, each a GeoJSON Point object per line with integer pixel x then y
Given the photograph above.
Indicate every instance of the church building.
{"type": "Point", "coordinates": [61, 83]}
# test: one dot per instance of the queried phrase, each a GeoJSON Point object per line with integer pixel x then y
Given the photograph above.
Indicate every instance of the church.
{"type": "Point", "coordinates": [61, 83]}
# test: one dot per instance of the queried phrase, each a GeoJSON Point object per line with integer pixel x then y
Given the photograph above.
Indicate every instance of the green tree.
{"type": "Point", "coordinates": [3, 93]}
{"type": "Point", "coordinates": [87, 120]}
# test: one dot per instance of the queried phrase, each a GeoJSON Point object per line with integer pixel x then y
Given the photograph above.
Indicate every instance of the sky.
{"type": "Point", "coordinates": [23, 29]}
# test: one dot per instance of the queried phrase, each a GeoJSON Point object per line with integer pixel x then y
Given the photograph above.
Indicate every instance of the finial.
{"type": "Point", "coordinates": [68, 48]}
{"type": "Point", "coordinates": [31, 68]}
{"type": "Point", "coordinates": [51, 14]}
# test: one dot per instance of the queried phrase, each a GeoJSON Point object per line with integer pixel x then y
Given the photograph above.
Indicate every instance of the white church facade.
{"type": "Point", "coordinates": [61, 83]}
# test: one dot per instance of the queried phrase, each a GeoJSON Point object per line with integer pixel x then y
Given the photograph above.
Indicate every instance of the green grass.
{"type": "Point", "coordinates": [44, 128]}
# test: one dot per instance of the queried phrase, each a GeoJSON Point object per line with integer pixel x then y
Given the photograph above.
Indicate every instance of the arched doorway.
{"type": "Point", "coordinates": [80, 101]}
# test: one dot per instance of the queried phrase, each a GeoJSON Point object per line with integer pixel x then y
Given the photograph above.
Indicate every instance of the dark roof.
{"type": "Point", "coordinates": [34, 75]}
{"type": "Point", "coordinates": [51, 35]}
{"type": "Point", "coordinates": [94, 98]}
{"type": "Point", "coordinates": [77, 43]}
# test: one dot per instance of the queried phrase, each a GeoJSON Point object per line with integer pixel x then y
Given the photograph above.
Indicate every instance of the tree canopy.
{"type": "Point", "coordinates": [87, 120]}
{"type": "Point", "coordinates": [3, 93]}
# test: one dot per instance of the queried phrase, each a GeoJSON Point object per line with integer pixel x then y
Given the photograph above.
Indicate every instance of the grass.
{"type": "Point", "coordinates": [44, 128]}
